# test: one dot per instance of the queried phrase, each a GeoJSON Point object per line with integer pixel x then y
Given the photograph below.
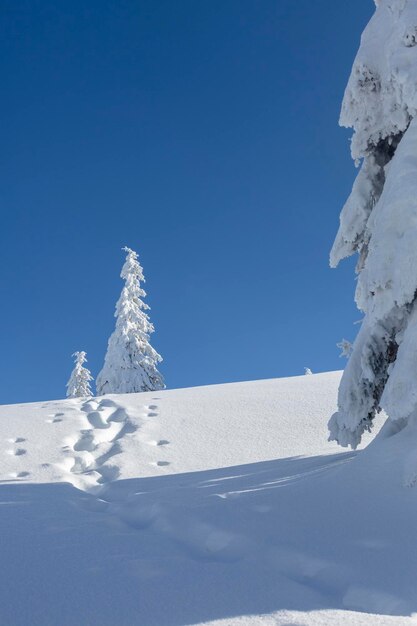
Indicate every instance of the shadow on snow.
{"type": "Point", "coordinates": [182, 549]}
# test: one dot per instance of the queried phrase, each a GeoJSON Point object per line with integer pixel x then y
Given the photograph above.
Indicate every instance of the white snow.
{"type": "Point", "coordinates": [213, 505]}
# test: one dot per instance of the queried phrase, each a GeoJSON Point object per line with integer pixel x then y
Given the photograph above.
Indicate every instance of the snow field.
{"type": "Point", "coordinates": [214, 505]}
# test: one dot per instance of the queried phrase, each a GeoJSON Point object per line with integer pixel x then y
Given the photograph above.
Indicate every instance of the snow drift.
{"type": "Point", "coordinates": [214, 505]}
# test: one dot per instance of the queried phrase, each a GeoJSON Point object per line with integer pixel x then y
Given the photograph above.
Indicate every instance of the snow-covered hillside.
{"type": "Point", "coordinates": [213, 505]}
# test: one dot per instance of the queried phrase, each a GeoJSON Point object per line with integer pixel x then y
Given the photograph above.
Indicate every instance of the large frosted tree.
{"type": "Point", "coordinates": [379, 222]}
{"type": "Point", "coordinates": [78, 385]}
{"type": "Point", "coordinates": [131, 362]}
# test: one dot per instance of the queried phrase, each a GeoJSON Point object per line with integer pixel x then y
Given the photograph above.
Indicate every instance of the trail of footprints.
{"type": "Point", "coordinates": [16, 450]}
{"type": "Point", "coordinates": [106, 425]}
{"type": "Point", "coordinates": [90, 455]}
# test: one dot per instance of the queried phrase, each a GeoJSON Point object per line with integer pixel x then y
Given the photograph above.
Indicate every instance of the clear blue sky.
{"type": "Point", "coordinates": [201, 133]}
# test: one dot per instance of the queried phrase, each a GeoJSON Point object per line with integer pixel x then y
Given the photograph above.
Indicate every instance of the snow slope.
{"type": "Point", "coordinates": [213, 505]}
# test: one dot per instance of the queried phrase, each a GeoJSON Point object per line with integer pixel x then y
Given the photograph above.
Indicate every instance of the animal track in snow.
{"type": "Point", "coordinates": [162, 463]}
{"type": "Point", "coordinates": [53, 419]}
{"type": "Point", "coordinates": [16, 440]}
{"type": "Point", "coordinates": [161, 442]}
{"type": "Point", "coordinates": [149, 410]}
{"type": "Point", "coordinates": [19, 474]}
{"type": "Point", "coordinates": [17, 452]}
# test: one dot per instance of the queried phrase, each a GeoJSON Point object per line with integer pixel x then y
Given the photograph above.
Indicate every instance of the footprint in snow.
{"type": "Point", "coordinates": [96, 420]}
{"type": "Point", "coordinates": [119, 415]}
{"type": "Point", "coordinates": [108, 474]}
{"type": "Point", "coordinates": [107, 402]}
{"type": "Point", "coordinates": [81, 465]}
{"type": "Point", "coordinates": [85, 442]}
{"type": "Point", "coordinates": [88, 407]}
{"type": "Point", "coordinates": [162, 463]}
{"type": "Point", "coordinates": [17, 440]}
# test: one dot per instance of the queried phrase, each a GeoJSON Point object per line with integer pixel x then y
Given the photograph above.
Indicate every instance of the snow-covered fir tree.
{"type": "Point", "coordinates": [379, 222]}
{"type": "Point", "coordinates": [131, 362]}
{"type": "Point", "coordinates": [78, 385]}
{"type": "Point", "coordinates": [307, 371]}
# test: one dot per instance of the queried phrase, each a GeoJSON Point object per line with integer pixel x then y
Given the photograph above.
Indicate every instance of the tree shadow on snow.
{"type": "Point", "coordinates": [182, 549]}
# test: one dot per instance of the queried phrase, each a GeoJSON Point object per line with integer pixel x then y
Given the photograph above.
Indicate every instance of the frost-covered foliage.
{"type": "Point", "coordinates": [130, 364]}
{"type": "Point", "coordinates": [345, 348]}
{"type": "Point", "coordinates": [78, 385]}
{"type": "Point", "coordinates": [379, 222]}
{"type": "Point", "coordinates": [307, 371]}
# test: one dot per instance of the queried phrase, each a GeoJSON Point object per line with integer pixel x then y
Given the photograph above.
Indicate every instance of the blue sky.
{"type": "Point", "coordinates": [201, 133]}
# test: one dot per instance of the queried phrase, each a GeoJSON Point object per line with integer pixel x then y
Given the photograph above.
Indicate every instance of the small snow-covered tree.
{"type": "Point", "coordinates": [379, 222]}
{"type": "Point", "coordinates": [307, 371]}
{"type": "Point", "coordinates": [78, 385]}
{"type": "Point", "coordinates": [131, 362]}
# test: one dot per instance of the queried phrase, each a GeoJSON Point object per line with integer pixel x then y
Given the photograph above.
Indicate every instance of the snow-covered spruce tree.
{"type": "Point", "coordinates": [78, 385]}
{"type": "Point", "coordinates": [130, 364]}
{"type": "Point", "coordinates": [379, 222]}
